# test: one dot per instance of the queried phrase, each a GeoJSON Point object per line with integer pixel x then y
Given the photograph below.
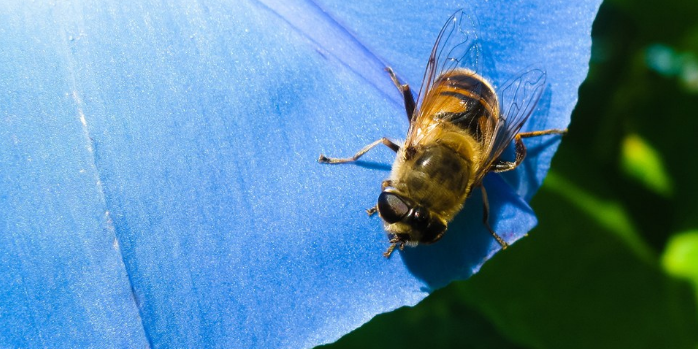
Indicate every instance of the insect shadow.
{"type": "Point", "coordinates": [374, 165]}
{"type": "Point", "coordinates": [467, 244]}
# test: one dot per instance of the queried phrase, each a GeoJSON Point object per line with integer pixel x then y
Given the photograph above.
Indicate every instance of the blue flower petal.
{"type": "Point", "coordinates": [159, 170]}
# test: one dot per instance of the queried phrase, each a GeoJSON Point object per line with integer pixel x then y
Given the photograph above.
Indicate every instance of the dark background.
{"type": "Point", "coordinates": [614, 260]}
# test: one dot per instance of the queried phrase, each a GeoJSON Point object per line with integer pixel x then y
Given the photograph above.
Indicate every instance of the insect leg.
{"type": "Point", "coordinates": [325, 160]}
{"type": "Point", "coordinates": [394, 242]}
{"type": "Point", "coordinates": [406, 93]}
{"type": "Point", "coordinates": [390, 250]}
{"type": "Point", "coordinates": [541, 133]}
{"type": "Point", "coordinates": [486, 219]}
{"type": "Point", "coordinates": [503, 166]}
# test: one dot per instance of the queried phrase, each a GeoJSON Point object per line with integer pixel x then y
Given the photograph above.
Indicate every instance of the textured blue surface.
{"type": "Point", "coordinates": [158, 175]}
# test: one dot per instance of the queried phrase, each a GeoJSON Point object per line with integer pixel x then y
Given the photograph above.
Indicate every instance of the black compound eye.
{"type": "Point", "coordinates": [391, 207]}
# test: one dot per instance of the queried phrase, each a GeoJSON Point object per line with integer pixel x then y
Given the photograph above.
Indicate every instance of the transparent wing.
{"type": "Point", "coordinates": [456, 47]}
{"type": "Point", "coordinates": [517, 99]}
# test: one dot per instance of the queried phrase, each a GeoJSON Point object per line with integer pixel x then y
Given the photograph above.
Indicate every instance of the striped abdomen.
{"type": "Point", "coordinates": [465, 100]}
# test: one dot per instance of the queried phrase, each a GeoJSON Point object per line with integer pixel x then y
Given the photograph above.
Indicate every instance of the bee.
{"type": "Point", "coordinates": [458, 129]}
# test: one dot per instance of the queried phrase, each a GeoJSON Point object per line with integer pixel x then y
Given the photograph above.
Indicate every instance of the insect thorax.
{"type": "Point", "coordinates": [437, 176]}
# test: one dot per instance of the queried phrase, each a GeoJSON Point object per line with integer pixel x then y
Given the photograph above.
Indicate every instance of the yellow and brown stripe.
{"type": "Point", "coordinates": [465, 100]}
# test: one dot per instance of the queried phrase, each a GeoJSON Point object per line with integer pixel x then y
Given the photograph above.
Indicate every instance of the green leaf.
{"type": "Point", "coordinates": [681, 257]}
{"type": "Point", "coordinates": [575, 284]}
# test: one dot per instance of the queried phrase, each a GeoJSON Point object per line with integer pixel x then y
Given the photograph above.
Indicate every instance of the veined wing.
{"type": "Point", "coordinates": [456, 47]}
{"type": "Point", "coordinates": [518, 98]}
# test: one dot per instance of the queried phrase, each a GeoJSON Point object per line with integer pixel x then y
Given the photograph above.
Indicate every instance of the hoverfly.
{"type": "Point", "coordinates": [458, 129]}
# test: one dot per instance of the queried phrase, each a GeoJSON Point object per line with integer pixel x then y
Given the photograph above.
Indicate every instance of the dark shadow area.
{"type": "Point", "coordinates": [467, 243]}
{"type": "Point", "coordinates": [374, 165]}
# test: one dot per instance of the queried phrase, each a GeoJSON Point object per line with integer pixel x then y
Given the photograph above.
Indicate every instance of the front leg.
{"type": "Point", "coordinates": [388, 143]}
{"type": "Point", "coordinates": [406, 93]}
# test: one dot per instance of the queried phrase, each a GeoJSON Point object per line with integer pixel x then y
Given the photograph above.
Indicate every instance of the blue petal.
{"type": "Point", "coordinates": [159, 176]}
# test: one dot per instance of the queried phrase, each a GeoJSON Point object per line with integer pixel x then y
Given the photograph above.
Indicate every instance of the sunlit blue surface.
{"type": "Point", "coordinates": [158, 163]}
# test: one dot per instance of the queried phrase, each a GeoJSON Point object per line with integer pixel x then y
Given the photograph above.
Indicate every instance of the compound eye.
{"type": "Point", "coordinates": [391, 207]}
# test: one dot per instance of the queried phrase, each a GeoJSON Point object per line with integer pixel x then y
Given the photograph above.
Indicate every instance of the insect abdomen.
{"type": "Point", "coordinates": [465, 100]}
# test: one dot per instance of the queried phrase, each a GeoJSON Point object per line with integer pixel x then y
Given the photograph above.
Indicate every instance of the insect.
{"type": "Point", "coordinates": [458, 129]}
